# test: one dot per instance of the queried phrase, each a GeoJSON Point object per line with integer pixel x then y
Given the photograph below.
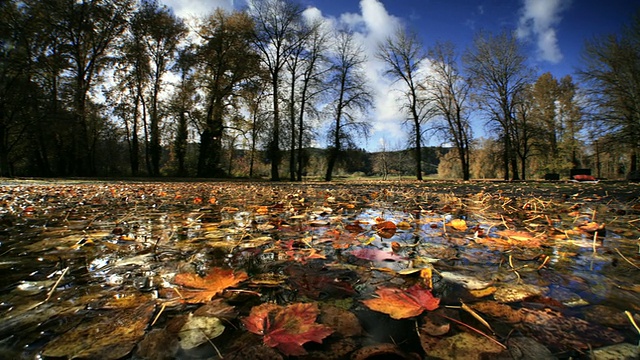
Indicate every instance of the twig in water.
{"type": "Point", "coordinates": [627, 260]}
{"type": "Point", "coordinates": [476, 330]}
{"type": "Point", "coordinates": [212, 344]}
{"type": "Point", "coordinates": [514, 270]}
{"type": "Point", "coordinates": [477, 316]}
{"type": "Point", "coordinates": [595, 236]}
{"type": "Point", "coordinates": [159, 313]}
{"type": "Point", "coordinates": [546, 260]}
{"type": "Point", "coordinates": [53, 288]}
{"type": "Point", "coordinates": [633, 322]}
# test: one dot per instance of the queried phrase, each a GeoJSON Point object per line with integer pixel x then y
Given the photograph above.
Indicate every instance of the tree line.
{"type": "Point", "coordinates": [104, 88]}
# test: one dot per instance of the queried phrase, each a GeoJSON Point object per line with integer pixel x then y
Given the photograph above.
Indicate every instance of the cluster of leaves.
{"type": "Point", "coordinates": [270, 259]}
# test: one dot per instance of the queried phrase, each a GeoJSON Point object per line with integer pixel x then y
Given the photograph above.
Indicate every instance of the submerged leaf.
{"type": "Point", "coordinates": [211, 285]}
{"type": "Point", "coordinates": [287, 328]}
{"type": "Point", "coordinates": [458, 224]}
{"type": "Point", "coordinates": [198, 330]}
{"type": "Point", "coordinates": [402, 304]}
{"type": "Point", "coordinates": [103, 337]}
{"type": "Point", "coordinates": [375, 255]}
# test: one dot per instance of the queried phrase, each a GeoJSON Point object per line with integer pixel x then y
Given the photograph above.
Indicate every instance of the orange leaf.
{"type": "Point", "coordinates": [209, 286]}
{"type": "Point", "coordinates": [287, 328]}
{"type": "Point", "coordinates": [262, 210]}
{"type": "Point", "coordinates": [402, 304]}
{"type": "Point", "coordinates": [516, 235]}
{"type": "Point", "coordinates": [458, 224]}
{"type": "Point", "coordinates": [386, 229]}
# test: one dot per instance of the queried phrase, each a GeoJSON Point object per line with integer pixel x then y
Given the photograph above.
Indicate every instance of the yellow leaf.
{"type": "Point", "coordinates": [458, 224]}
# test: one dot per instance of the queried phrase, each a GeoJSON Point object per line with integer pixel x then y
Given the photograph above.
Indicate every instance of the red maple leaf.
{"type": "Point", "coordinates": [402, 304]}
{"type": "Point", "coordinates": [287, 328]}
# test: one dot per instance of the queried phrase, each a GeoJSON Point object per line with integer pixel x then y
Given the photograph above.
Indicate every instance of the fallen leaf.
{"type": "Point", "coordinates": [209, 286]}
{"type": "Point", "coordinates": [198, 330]}
{"type": "Point", "coordinates": [402, 304]}
{"type": "Point", "coordinates": [287, 328]}
{"type": "Point", "coordinates": [593, 227]}
{"type": "Point", "coordinates": [516, 235]}
{"type": "Point", "coordinates": [386, 229]}
{"type": "Point", "coordinates": [103, 337]}
{"type": "Point", "coordinates": [458, 224]}
{"type": "Point", "coordinates": [375, 255]}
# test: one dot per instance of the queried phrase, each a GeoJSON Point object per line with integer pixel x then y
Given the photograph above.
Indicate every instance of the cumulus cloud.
{"type": "Point", "coordinates": [370, 25]}
{"type": "Point", "coordinates": [192, 8]}
{"type": "Point", "coordinates": [539, 20]}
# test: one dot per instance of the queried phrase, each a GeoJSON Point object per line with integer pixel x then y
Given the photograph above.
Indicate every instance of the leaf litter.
{"type": "Point", "coordinates": [195, 270]}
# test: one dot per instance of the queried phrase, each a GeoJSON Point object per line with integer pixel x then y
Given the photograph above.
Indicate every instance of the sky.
{"type": "Point", "coordinates": [553, 31]}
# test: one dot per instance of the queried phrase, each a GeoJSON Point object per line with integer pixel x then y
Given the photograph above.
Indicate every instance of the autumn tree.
{"type": "Point", "coordinates": [351, 97]}
{"type": "Point", "coordinates": [226, 60]}
{"type": "Point", "coordinates": [14, 83]}
{"type": "Point", "coordinates": [86, 31]}
{"type": "Point", "coordinates": [160, 32]}
{"type": "Point", "coordinates": [276, 24]}
{"type": "Point", "coordinates": [182, 106]}
{"type": "Point", "coordinates": [405, 61]}
{"type": "Point", "coordinates": [611, 68]}
{"type": "Point", "coordinates": [449, 92]}
{"type": "Point", "coordinates": [523, 129]}
{"type": "Point", "coordinates": [558, 120]}
{"type": "Point", "coordinates": [498, 70]}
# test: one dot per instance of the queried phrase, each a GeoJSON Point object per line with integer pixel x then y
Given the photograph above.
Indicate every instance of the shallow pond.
{"type": "Point", "coordinates": [315, 270]}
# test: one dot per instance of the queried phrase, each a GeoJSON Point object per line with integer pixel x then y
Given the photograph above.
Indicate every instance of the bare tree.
{"type": "Point", "coordinates": [315, 70]}
{"type": "Point", "coordinates": [303, 68]}
{"type": "Point", "coordinates": [404, 58]}
{"type": "Point", "coordinates": [276, 23]}
{"type": "Point", "coordinates": [498, 70]}
{"type": "Point", "coordinates": [450, 92]}
{"type": "Point", "coordinates": [352, 97]}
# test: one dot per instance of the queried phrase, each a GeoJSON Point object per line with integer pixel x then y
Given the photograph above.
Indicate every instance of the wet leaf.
{"type": "Point", "coordinates": [287, 328]}
{"type": "Point", "coordinates": [593, 227]}
{"type": "Point", "coordinates": [375, 255]}
{"type": "Point", "coordinates": [209, 286]}
{"type": "Point", "coordinates": [551, 327]}
{"type": "Point", "coordinates": [110, 336]}
{"type": "Point", "coordinates": [458, 224]}
{"type": "Point", "coordinates": [402, 304]}
{"type": "Point", "coordinates": [386, 229]}
{"type": "Point", "coordinates": [198, 330]}
{"type": "Point", "coordinates": [468, 281]}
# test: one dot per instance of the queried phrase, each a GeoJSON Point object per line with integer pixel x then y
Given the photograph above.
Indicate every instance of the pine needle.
{"type": "Point", "coordinates": [474, 329]}
{"type": "Point", "coordinates": [627, 260]}
{"type": "Point", "coordinates": [477, 316]}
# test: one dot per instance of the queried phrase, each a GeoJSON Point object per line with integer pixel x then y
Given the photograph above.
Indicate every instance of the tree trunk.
{"type": "Point", "coordinates": [418, 151]}
{"type": "Point", "coordinates": [274, 144]}
{"type": "Point", "coordinates": [333, 158]}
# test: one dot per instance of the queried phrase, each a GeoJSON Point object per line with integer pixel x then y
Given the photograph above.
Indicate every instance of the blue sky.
{"type": "Point", "coordinates": [554, 32]}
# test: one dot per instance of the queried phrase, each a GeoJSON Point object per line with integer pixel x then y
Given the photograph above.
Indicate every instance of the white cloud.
{"type": "Point", "coordinates": [539, 19]}
{"type": "Point", "coordinates": [371, 25]}
{"type": "Point", "coordinates": [194, 8]}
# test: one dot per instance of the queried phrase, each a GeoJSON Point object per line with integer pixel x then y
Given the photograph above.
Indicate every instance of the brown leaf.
{"type": "Point", "coordinates": [402, 304]}
{"type": "Point", "coordinates": [104, 337]}
{"type": "Point", "coordinates": [211, 285]}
